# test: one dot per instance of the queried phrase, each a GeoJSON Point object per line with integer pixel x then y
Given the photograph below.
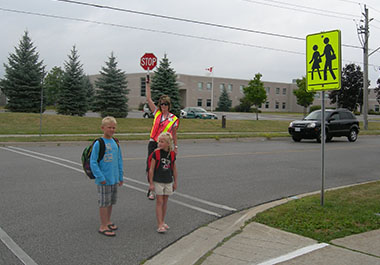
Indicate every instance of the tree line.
{"type": "Point", "coordinates": [30, 89]}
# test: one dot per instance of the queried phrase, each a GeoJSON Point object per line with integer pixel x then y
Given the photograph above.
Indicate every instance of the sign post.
{"type": "Point", "coordinates": [148, 61]}
{"type": "Point", "coordinates": [323, 51]}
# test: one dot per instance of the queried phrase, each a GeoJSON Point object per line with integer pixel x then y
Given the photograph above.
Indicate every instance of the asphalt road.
{"type": "Point", "coordinates": [234, 115]}
{"type": "Point", "coordinates": [49, 209]}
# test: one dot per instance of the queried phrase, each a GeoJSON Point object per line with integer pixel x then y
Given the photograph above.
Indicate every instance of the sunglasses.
{"type": "Point", "coordinates": [164, 104]}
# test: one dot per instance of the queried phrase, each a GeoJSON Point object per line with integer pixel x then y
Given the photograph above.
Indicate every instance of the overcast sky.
{"type": "Point", "coordinates": [232, 53]}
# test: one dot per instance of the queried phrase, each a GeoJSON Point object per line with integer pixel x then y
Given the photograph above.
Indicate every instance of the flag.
{"type": "Point", "coordinates": [209, 69]}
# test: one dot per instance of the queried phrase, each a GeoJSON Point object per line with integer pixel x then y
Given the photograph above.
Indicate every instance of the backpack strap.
{"type": "Point", "coordinates": [172, 156]}
{"type": "Point", "coordinates": [158, 157]}
{"type": "Point", "coordinates": [102, 148]}
{"type": "Point", "coordinates": [117, 141]}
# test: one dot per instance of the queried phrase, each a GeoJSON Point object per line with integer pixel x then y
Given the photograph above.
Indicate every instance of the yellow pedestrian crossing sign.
{"type": "Point", "coordinates": [323, 61]}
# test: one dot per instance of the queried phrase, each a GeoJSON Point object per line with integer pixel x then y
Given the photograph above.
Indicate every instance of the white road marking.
{"type": "Point", "coordinates": [216, 205]}
{"type": "Point", "coordinates": [294, 254]}
{"type": "Point", "coordinates": [126, 185]}
{"type": "Point", "coordinates": [20, 254]}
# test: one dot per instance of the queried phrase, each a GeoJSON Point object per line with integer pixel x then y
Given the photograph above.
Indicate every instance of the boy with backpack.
{"type": "Point", "coordinates": [163, 177]}
{"type": "Point", "coordinates": [108, 174]}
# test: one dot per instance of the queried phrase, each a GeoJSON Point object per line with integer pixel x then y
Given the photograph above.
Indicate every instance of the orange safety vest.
{"type": "Point", "coordinates": [160, 127]}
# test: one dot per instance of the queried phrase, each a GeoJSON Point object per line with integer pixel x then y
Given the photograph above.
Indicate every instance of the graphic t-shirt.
{"type": "Point", "coordinates": [164, 172]}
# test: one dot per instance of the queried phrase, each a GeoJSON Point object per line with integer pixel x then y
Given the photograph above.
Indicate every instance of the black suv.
{"type": "Point", "coordinates": [339, 122]}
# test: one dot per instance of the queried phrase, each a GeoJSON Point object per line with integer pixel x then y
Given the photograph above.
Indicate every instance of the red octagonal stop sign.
{"type": "Point", "coordinates": [148, 61]}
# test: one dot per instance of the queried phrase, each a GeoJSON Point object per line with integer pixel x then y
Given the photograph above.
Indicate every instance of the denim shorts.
{"type": "Point", "coordinates": [107, 195]}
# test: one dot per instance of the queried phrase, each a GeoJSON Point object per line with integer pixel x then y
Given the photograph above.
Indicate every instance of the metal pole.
{"type": "Point", "coordinates": [323, 132]}
{"type": "Point", "coordinates": [212, 91]}
{"type": "Point", "coordinates": [365, 77]}
{"type": "Point", "coordinates": [42, 100]}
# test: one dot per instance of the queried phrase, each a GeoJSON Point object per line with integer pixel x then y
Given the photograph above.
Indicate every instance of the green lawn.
{"type": "Point", "coordinates": [27, 123]}
{"type": "Point", "coordinates": [346, 211]}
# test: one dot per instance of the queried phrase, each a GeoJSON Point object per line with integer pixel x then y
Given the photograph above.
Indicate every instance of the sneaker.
{"type": "Point", "coordinates": [151, 195]}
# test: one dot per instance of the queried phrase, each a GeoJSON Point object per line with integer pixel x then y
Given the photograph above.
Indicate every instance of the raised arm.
{"type": "Point", "coordinates": [149, 95]}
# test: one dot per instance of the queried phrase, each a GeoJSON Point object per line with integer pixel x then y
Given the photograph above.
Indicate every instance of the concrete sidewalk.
{"type": "Point", "coordinates": [226, 242]}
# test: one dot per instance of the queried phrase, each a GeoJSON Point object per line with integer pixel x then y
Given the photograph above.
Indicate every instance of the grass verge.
{"type": "Point", "coordinates": [29, 123]}
{"type": "Point", "coordinates": [347, 211]}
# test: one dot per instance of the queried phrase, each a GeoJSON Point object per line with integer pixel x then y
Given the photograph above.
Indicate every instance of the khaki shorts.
{"type": "Point", "coordinates": [163, 188]}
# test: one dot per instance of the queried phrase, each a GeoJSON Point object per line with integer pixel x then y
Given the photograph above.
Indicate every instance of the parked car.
{"type": "Point", "coordinates": [339, 122]}
{"type": "Point", "coordinates": [197, 113]}
{"type": "Point", "coordinates": [146, 112]}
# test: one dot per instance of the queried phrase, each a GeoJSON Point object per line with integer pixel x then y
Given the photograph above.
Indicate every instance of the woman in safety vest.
{"type": "Point", "coordinates": [163, 120]}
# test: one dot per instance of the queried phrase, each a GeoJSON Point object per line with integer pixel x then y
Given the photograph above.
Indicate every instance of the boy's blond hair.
{"type": "Point", "coordinates": [169, 139]}
{"type": "Point", "coordinates": [108, 120]}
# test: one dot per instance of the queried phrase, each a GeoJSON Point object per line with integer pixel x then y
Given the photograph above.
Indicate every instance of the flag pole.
{"type": "Point", "coordinates": [212, 90]}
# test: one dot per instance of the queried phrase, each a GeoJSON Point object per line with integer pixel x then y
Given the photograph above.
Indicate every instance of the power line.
{"type": "Point", "coordinates": [164, 32]}
{"type": "Point", "coordinates": [150, 30]}
{"type": "Point", "coordinates": [304, 7]}
{"type": "Point", "coordinates": [180, 19]}
{"type": "Point", "coordinates": [192, 21]}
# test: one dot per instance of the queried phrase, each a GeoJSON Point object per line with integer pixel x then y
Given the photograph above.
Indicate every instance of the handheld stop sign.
{"type": "Point", "coordinates": [148, 61]}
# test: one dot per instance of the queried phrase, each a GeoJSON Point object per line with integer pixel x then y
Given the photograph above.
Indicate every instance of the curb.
{"type": "Point", "coordinates": [195, 246]}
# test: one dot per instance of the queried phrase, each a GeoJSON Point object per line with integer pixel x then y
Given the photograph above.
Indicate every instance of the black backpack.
{"type": "Point", "coordinates": [86, 155]}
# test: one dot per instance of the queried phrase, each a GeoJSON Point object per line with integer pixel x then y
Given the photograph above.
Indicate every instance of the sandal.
{"type": "Point", "coordinates": [112, 227]}
{"type": "Point", "coordinates": [166, 226]}
{"type": "Point", "coordinates": [151, 195]}
{"type": "Point", "coordinates": [161, 230]}
{"type": "Point", "coordinates": [107, 233]}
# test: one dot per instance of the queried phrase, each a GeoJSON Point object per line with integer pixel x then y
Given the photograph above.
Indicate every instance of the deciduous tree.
{"type": "Point", "coordinates": [304, 97]}
{"type": "Point", "coordinates": [350, 95]}
{"type": "Point", "coordinates": [255, 92]}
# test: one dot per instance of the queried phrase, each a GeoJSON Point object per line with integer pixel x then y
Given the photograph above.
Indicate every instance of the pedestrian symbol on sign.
{"type": "Point", "coordinates": [323, 54]}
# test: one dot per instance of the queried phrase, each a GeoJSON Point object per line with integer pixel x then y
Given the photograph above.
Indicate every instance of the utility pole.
{"type": "Point", "coordinates": [365, 61]}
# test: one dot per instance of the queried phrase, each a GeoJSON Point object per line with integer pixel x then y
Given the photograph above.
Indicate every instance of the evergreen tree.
{"type": "Point", "coordinates": [350, 95]}
{"type": "Point", "coordinates": [111, 97]}
{"type": "Point", "coordinates": [224, 103]}
{"type": "Point", "coordinates": [244, 106]}
{"type": "Point", "coordinates": [164, 82]}
{"type": "Point", "coordinates": [377, 90]}
{"type": "Point", "coordinates": [52, 85]}
{"type": "Point", "coordinates": [255, 93]}
{"type": "Point", "coordinates": [22, 83]}
{"type": "Point", "coordinates": [304, 98]}
{"type": "Point", "coordinates": [72, 98]}
{"type": "Point", "coordinates": [90, 92]}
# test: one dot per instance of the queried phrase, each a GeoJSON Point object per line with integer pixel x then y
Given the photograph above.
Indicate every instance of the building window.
{"type": "Point", "coordinates": [208, 103]}
{"type": "Point", "coordinates": [377, 108]}
{"type": "Point", "coordinates": [277, 105]}
{"type": "Point", "coordinates": [267, 89]}
{"type": "Point", "coordinates": [200, 86]}
{"type": "Point", "coordinates": [277, 90]}
{"type": "Point", "coordinates": [199, 102]}
{"type": "Point", "coordinates": [209, 86]}
{"type": "Point", "coordinates": [222, 87]}
{"type": "Point", "coordinates": [242, 89]}
{"type": "Point", "coordinates": [267, 105]}
{"type": "Point", "coordinates": [229, 87]}
{"type": "Point", "coordinates": [283, 105]}
{"type": "Point", "coordinates": [284, 91]}
{"type": "Point", "coordinates": [317, 95]}
{"type": "Point", "coordinates": [142, 87]}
